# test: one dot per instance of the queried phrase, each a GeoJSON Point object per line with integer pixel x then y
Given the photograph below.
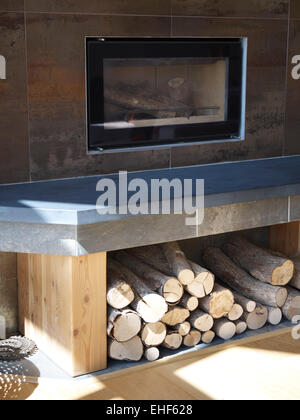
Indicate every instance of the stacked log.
{"type": "Point", "coordinates": [262, 264]}
{"type": "Point", "coordinates": [219, 303]}
{"type": "Point", "coordinates": [242, 282]}
{"type": "Point", "coordinates": [178, 263]}
{"type": "Point", "coordinates": [123, 325]}
{"type": "Point", "coordinates": [192, 339]}
{"type": "Point", "coordinates": [149, 305]}
{"type": "Point", "coordinates": [256, 319]}
{"type": "Point", "coordinates": [292, 304]}
{"type": "Point", "coordinates": [167, 286]}
{"type": "Point", "coordinates": [158, 297]}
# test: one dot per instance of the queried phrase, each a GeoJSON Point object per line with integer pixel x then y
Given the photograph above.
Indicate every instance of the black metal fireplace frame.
{"type": "Point", "coordinates": [98, 49]}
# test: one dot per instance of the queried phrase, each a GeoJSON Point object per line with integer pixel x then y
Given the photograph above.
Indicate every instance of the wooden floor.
{"type": "Point", "coordinates": [266, 369]}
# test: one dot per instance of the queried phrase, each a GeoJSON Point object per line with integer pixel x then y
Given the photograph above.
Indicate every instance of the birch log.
{"type": "Point", "coordinates": [192, 339]}
{"type": "Point", "coordinates": [208, 337]}
{"type": "Point", "coordinates": [219, 303]}
{"type": "Point", "coordinates": [123, 325]}
{"type": "Point", "coordinates": [172, 341]}
{"type": "Point", "coordinates": [239, 280]}
{"type": "Point", "coordinates": [183, 329]}
{"type": "Point", "coordinates": [241, 327]}
{"type": "Point", "coordinates": [189, 302]}
{"type": "Point", "coordinates": [235, 313]}
{"type": "Point", "coordinates": [256, 319]}
{"type": "Point", "coordinates": [292, 305]}
{"type": "Point", "coordinates": [153, 334]}
{"type": "Point", "coordinates": [274, 315]}
{"type": "Point", "coordinates": [149, 305]}
{"type": "Point", "coordinates": [119, 293]}
{"type": "Point", "coordinates": [248, 305]}
{"type": "Point", "coordinates": [178, 263]}
{"type": "Point", "coordinates": [202, 321]}
{"type": "Point", "coordinates": [167, 286]}
{"type": "Point", "coordinates": [260, 263]}
{"type": "Point", "coordinates": [204, 281]}
{"type": "Point", "coordinates": [131, 350]}
{"type": "Point", "coordinates": [152, 354]}
{"type": "Point", "coordinates": [224, 329]}
{"type": "Point", "coordinates": [176, 316]}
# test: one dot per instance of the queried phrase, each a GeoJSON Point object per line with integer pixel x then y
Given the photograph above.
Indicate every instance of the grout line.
{"type": "Point", "coordinates": [145, 15]}
{"type": "Point", "coordinates": [286, 81]}
{"type": "Point", "coordinates": [171, 18]}
{"type": "Point", "coordinates": [27, 95]}
{"type": "Point", "coordinates": [95, 14]}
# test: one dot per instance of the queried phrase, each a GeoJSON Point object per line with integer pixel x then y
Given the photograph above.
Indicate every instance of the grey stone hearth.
{"type": "Point", "coordinates": [60, 217]}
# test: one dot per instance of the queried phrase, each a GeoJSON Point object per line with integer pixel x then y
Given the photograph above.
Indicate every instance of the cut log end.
{"type": "Point", "coordinates": [236, 312]}
{"type": "Point", "coordinates": [154, 334]}
{"type": "Point", "coordinates": [225, 329]}
{"type": "Point", "coordinates": [281, 297]}
{"type": "Point", "coordinates": [192, 339]}
{"type": "Point", "coordinates": [173, 341]}
{"type": "Point", "coordinates": [257, 319]}
{"type": "Point", "coordinates": [131, 350]}
{"type": "Point", "coordinates": [186, 276]}
{"type": "Point", "coordinates": [152, 308]}
{"type": "Point", "coordinates": [120, 296]}
{"type": "Point", "coordinates": [184, 328]}
{"type": "Point", "coordinates": [152, 354]}
{"type": "Point", "coordinates": [173, 291]}
{"type": "Point", "coordinates": [221, 303]}
{"type": "Point", "coordinates": [189, 302]}
{"type": "Point", "coordinates": [274, 316]}
{"type": "Point", "coordinates": [208, 337]}
{"type": "Point", "coordinates": [176, 316]}
{"type": "Point", "coordinates": [241, 327]}
{"type": "Point", "coordinates": [202, 321]}
{"type": "Point", "coordinates": [282, 275]}
{"type": "Point", "coordinates": [124, 325]}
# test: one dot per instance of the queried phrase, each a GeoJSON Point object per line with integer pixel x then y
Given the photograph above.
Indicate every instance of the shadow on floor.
{"type": "Point", "coordinates": [14, 379]}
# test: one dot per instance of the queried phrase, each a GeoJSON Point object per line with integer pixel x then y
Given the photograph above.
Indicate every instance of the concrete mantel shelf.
{"type": "Point", "coordinates": [60, 217]}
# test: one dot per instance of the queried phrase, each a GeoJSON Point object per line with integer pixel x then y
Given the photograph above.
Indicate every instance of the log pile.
{"type": "Point", "coordinates": [159, 299]}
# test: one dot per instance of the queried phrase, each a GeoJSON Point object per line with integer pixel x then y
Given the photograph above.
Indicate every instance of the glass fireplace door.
{"type": "Point", "coordinates": [165, 91]}
{"type": "Point", "coordinates": [154, 92]}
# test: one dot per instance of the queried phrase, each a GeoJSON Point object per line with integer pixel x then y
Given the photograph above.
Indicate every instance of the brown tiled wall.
{"type": "Point", "coordinates": [42, 123]}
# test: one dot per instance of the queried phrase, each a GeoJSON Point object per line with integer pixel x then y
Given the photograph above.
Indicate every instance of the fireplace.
{"type": "Point", "coordinates": [158, 92]}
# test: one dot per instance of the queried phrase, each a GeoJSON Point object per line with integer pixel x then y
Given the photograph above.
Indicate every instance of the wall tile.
{"type": "Point", "coordinates": [292, 141]}
{"type": "Point", "coordinates": [295, 9]}
{"type": "Point", "coordinates": [139, 7]}
{"type": "Point", "coordinates": [232, 8]}
{"type": "Point", "coordinates": [56, 60]}
{"type": "Point", "coordinates": [265, 89]}
{"type": "Point", "coordinates": [14, 160]}
{"type": "Point", "coordinates": [11, 5]}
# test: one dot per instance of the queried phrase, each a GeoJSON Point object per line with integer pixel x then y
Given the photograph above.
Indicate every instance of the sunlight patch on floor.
{"type": "Point", "coordinates": [244, 373]}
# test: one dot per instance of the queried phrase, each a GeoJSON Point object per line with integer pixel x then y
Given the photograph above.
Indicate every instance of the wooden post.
{"type": "Point", "coordinates": [62, 303]}
{"type": "Point", "coordinates": [285, 238]}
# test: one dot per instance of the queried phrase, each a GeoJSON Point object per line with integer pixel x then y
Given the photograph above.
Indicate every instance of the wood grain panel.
{"type": "Point", "coordinates": [63, 308]}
